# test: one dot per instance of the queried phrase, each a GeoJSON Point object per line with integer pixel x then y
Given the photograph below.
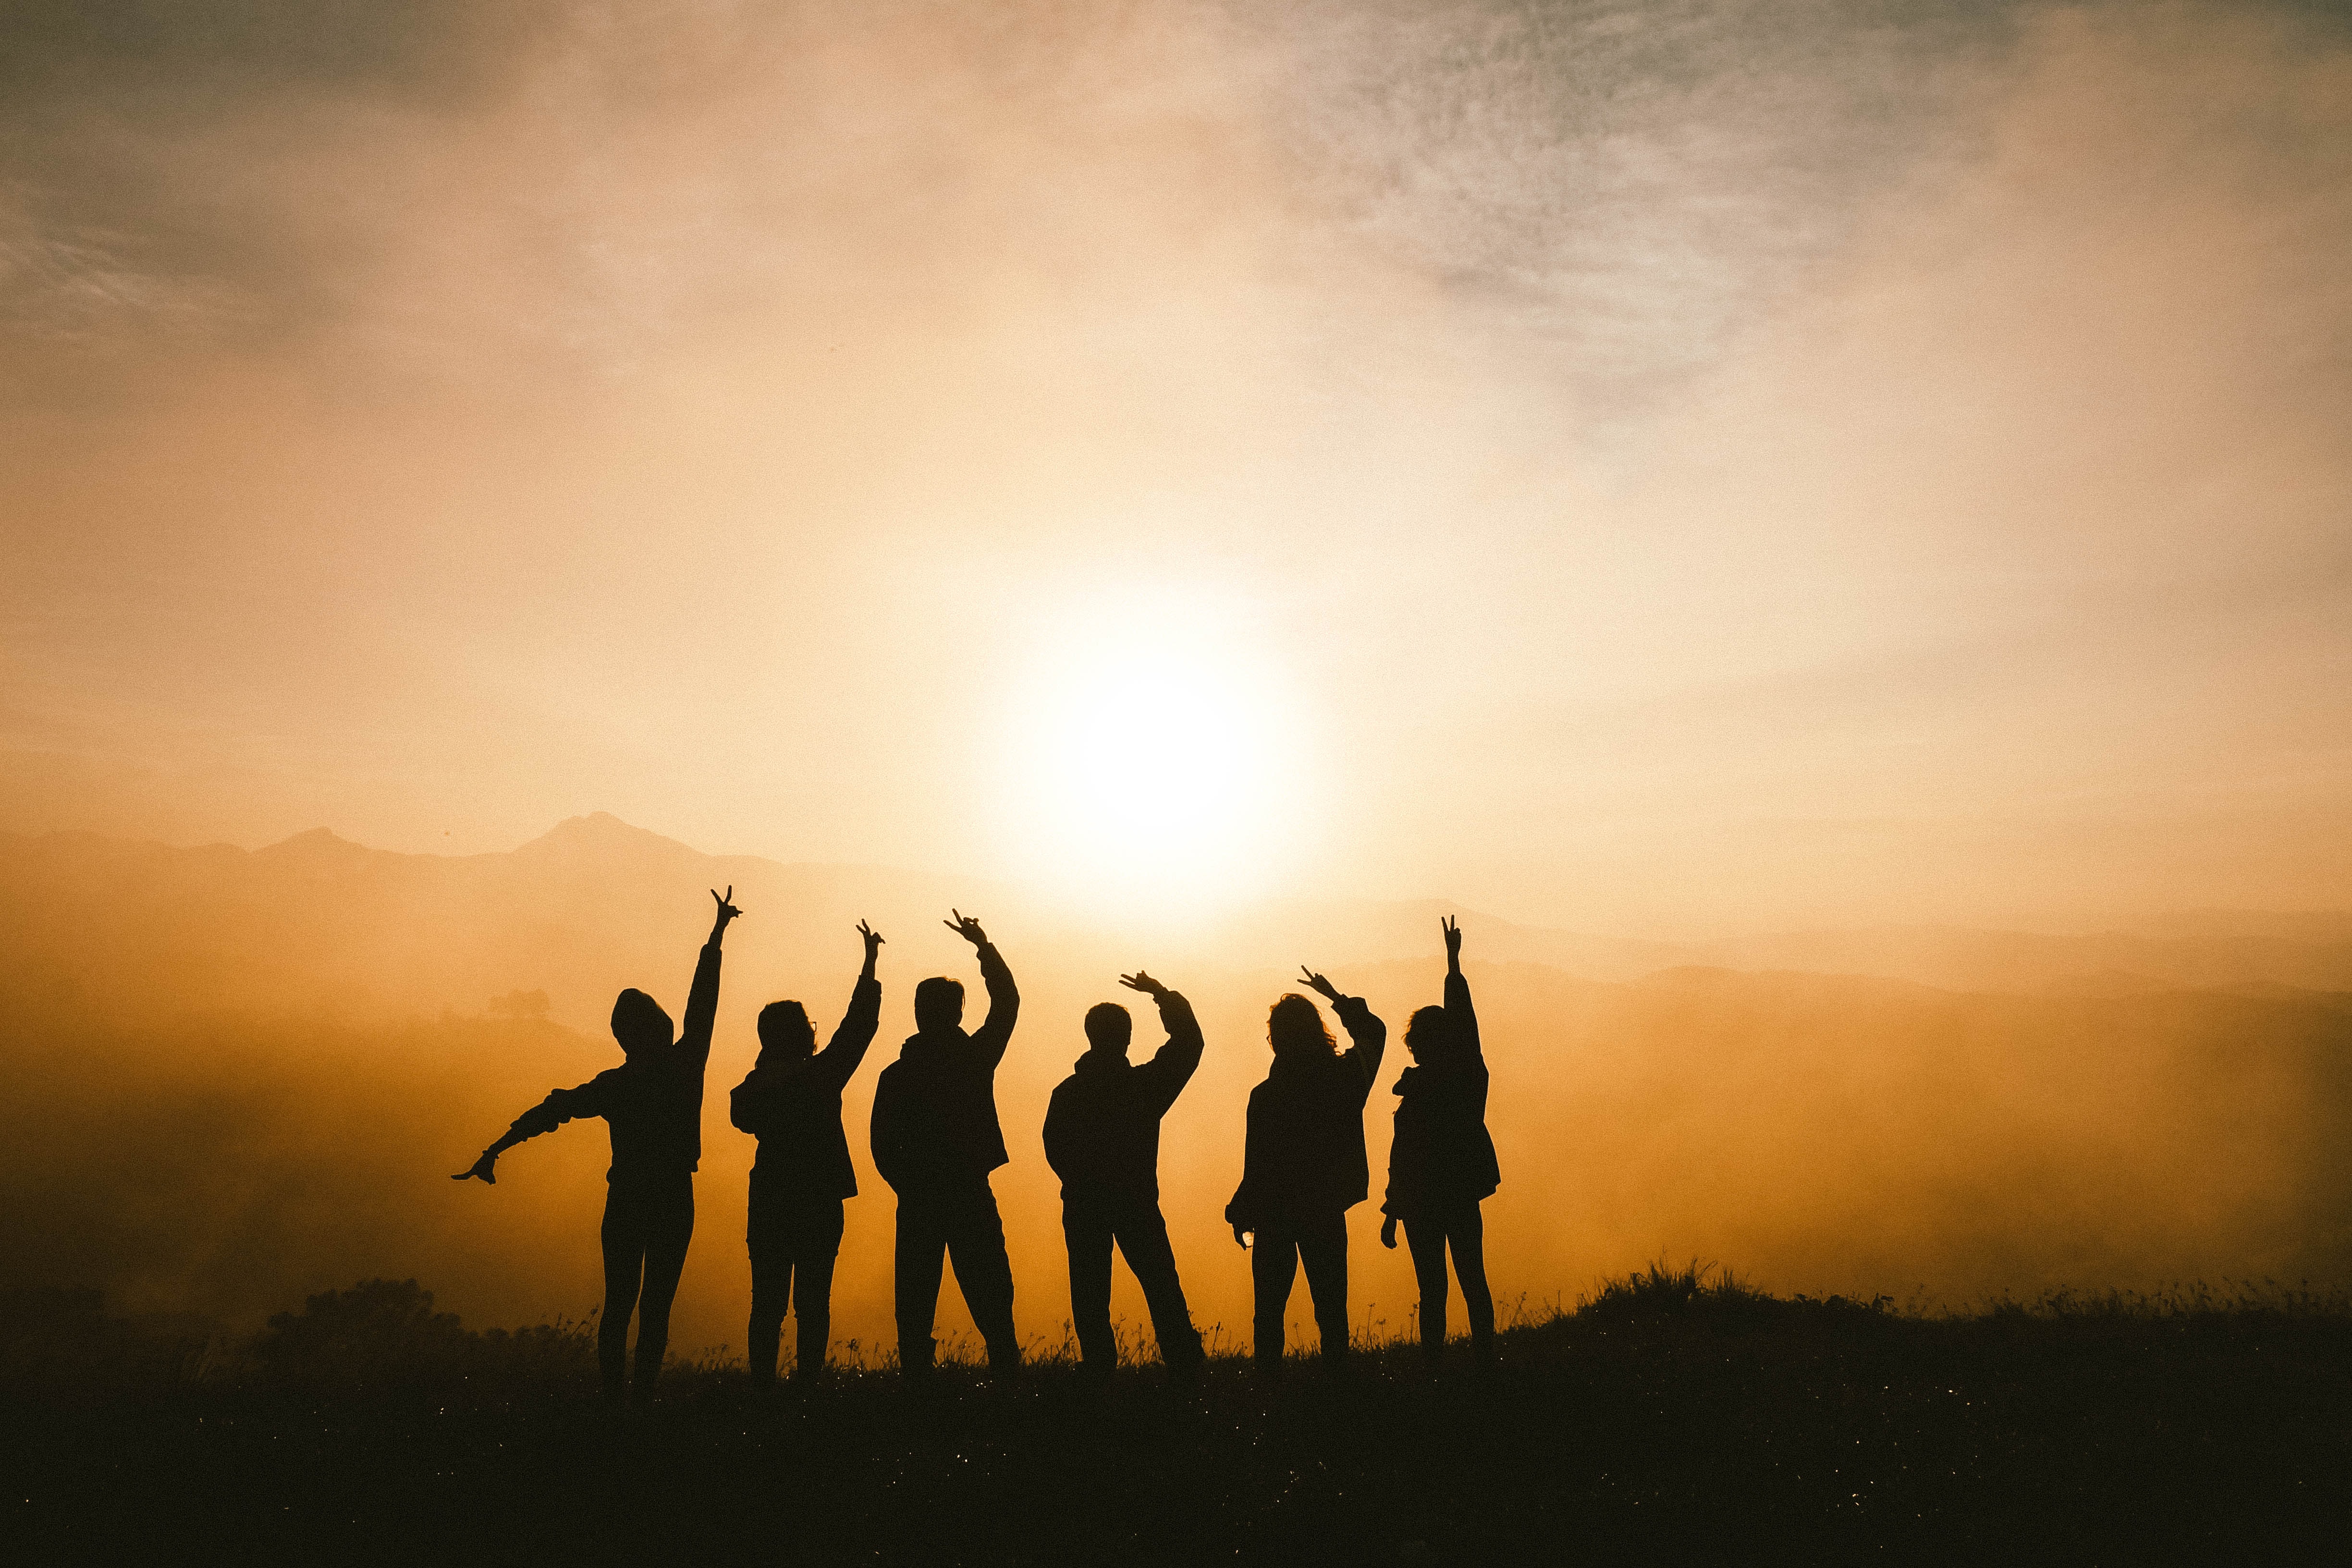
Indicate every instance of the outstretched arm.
{"type": "Point", "coordinates": [1371, 1036]}
{"type": "Point", "coordinates": [839, 1059]}
{"type": "Point", "coordinates": [1003, 998]}
{"type": "Point", "coordinates": [564, 1105]}
{"type": "Point", "coordinates": [1459, 1014]}
{"type": "Point", "coordinates": [1174, 1063]}
{"type": "Point", "coordinates": [702, 997]}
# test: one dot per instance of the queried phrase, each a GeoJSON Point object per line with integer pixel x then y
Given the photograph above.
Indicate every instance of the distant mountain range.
{"type": "Point", "coordinates": [238, 1076]}
{"type": "Point", "coordinates": [318, 920]}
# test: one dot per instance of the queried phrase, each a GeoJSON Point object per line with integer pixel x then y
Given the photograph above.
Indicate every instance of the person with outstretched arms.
{"type": "Point", "coordinates": [652, 1104]}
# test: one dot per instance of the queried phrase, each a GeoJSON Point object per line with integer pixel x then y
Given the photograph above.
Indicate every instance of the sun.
{"type": "Point", "coordinates": [1153, 762]}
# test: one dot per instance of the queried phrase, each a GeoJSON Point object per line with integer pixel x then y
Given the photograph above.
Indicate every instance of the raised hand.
{"type": "Point", "coordinates": [727, 910]}
{"type": "Point", "coordinates": [1453, 930]}
{"type": "Point", "coordinates": [1318, 985]}
{"type": "Point", "coordinates": [872, 940]}
{"type": "Point", "coordinates": [1388, 1232]}
{"type": "Point", "coordinates": [964, 926]}
{"type": "Point", "coordinates": [484, 1169]}
{"type": "Point", "coordinates": [1139, 980]}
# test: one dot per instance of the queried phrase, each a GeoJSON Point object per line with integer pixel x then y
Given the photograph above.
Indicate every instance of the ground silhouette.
{"type": "Point", "coordinates": [1673, 1418]}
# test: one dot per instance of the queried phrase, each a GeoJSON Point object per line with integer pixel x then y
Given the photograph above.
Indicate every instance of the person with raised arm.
{"type": "Point", "coordinates": [1442, 1162]}
{"type": "Point", "coordinates": [792, 1103]}
{"type": "Point", "coordinates": [936, 1139]}
{"type": "Point", "coordinates": [1102, 1137]}
{"type": "Point", "coordinates": [1303, 1165]}
{"type": "Point", "coordinates": [653, 1105]}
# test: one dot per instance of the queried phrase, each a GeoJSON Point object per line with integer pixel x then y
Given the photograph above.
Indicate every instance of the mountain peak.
{"type": "Point", "coordinates": [316, 842]}
{"type": "Point", "coordinates": [603, 834]}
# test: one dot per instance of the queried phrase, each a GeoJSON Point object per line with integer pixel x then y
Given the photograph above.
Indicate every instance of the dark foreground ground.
{"type": "Point", "coordinates": [1667, 1421]}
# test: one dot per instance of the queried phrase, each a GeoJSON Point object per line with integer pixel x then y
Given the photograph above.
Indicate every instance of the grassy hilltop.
{"type": "Point", "coordinates": [1670, 1417]}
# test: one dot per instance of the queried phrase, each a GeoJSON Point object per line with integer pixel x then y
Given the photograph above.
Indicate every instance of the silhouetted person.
{"type": "Point", "coordinates": [1303, 1166]}
{"type": "Point", "coordinates": [1442, 1162]}
{"type": "Point", "coordinates": [936, 1139]}
{"type": "Point", "coordinates": [792, 1103]}
{"type": "Point", "coordinates": [652, 1104]}
{"type": "Point", "coordinates": [1102, 1137]}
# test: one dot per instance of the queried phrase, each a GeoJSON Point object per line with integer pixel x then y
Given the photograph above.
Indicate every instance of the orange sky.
{"type": "Point", "coordinates": [1682, 468]}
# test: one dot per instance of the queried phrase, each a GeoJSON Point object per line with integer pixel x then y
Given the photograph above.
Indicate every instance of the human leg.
{"type": "Point", "coordinates": [772, 1284]}
{"type": "Point", "coordinates": [816, 1243]}
{"type": "Point", "coordinates": [1086, 1231]}
{"type": "Point", "coordinates": [1274, 1267]}
{"type": "Point", "coordinates": [1323, 1248]}
{"type": "Point", "coordinates": [624, 1240]}
{"type": "Point", "coordinates": [1424, 1233]}
{"type": "Point", "coordinates": [985, 1273]}
{"type": "Point", "coordinates": [669, 1230]}
{"type": "Point", "coordinates": [919, 1254]}
{"type": "Point", "coordinates": [1143, 1242]}
{"type": "Point", "coordinates": [1465, 1233]}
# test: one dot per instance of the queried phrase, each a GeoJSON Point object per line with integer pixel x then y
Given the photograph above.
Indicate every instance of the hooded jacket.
{"type": "Point", "coordinates": [653, 1102]}
{"type": "Point", "coordinates": [935, 1126]}
{"type": "Point", "coordinates": [1304, 1154]}
{"type": "Point", "coordinates": [794, 1108]}
{"type": "Point", "coordinates": [1102, 1126]}
{"type": "Point", "coordinates": [1442, 1153]}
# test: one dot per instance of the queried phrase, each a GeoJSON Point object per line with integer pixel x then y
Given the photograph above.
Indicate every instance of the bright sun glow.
{"type": "Point", "coordinates": [1154, 762]}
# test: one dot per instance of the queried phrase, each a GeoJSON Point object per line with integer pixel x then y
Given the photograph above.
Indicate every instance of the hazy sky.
{"type": "Point", "coordinates": [1667, 467]}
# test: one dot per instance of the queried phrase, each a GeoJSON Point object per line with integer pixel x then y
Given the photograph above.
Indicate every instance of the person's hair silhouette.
{"type": "Point", "coordinates": [936, 1139]}
{"type": "Point", "coordinates": [652, 1104]}
{"type": "Point", "coordinates": [792, 1103]}
{"type": "Point", "coordinates": [1303, 1165]}
{"type": "Point", "coordinates": [1102, 1137]}
{"type": "Point", "coordinates": [1442, 1160]}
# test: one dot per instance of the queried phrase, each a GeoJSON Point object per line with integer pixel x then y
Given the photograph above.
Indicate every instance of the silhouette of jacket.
{"type": "Point", "coordinates": [935, 1123]}
{"type": "Point", "coordinates": [1442, 1155]}
{"type": "Point", "coordinates": [794, 1108]}
{"type": "Point", "coordinates": [1102, 1126]}
{"type": "Point", "coordinates": [652, 1101]}
{"type": "Point", "coordinates": [1102, 1137]}
{"type": "Point", "coordinates": [1304, 1154]}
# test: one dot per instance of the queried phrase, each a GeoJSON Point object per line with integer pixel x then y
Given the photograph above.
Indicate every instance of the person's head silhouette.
{"type": "Point", "coordinates": [1109, 1027]}
{"type": "Point", "coordinates": [641, 1026]}
{"type": "Point", "coordinates": [1295, 1027]}
{"type": "Point", "coordinates": [1427, 1033]}
{"type": "Point", "coordinates": [939, 1006]}
{"type": "Point", "coordinates": [785, 1033]}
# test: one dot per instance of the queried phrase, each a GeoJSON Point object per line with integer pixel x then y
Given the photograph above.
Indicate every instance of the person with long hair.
{"type": "Point", "coordinates": [652, 1104]}
{"type": "Point", "coordinates": [1441, 1162]}
{"type": "Point", "coordinates": [1303, 1165]}
{"type": "Point", "coordinates": [792, 1103]}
